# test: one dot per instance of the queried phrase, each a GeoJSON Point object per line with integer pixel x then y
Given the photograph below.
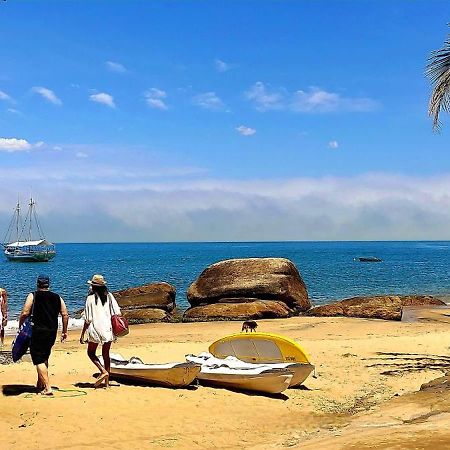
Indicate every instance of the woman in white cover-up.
{"type": "Point", "coordinates": [100, 307]}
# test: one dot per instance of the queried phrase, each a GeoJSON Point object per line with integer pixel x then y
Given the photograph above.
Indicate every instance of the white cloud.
{"type": "Point", "coordinates": [317, 100]}
{"type": "Point", "coordinates": [209, 100]}
{"type": "Point", "coordinates": [115, 67]}
{"type": "Point", "coordinates": [103, 98]}
{"type": "Point", "coordinates": [373, 207]}
{"type": "Point", "coordinates": [4, 96]}
{"type": "Point", "coordinates": [12, 145]}
{"type": "Point", "coordinates": [47, 94]}
{"type": "Point", "coordinates": [57, 148]}
{"type": "Point", "coordinates": [333, 144]}
{"type": "Point", "coordinates": [265, 98]}
{"type": "Point", "coordinates": [245, 131]}
{"type": "Point", "coordinates": [221, 66]}
{"type": "Point", "coordinates": [369, 206]}
{"type": "Point", "coordinates": [13, 111]}
{"type": "Point", "coordinates": [312, 100]}
{"type": "Point", "coordinates": [81, 155]}
{"type": "Point", "coordinates": [155, 98]}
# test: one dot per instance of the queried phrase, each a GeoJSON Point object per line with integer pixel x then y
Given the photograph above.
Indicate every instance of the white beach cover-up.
{"type": "Point", "coordinates": [98, 316]}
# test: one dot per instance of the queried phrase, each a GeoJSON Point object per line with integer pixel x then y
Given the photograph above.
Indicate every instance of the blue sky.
{"type": "Point", "coordinates": [224, 120]}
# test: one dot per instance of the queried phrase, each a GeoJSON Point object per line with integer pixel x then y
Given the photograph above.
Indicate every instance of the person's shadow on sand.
{"type": "Point", "coordinates": [9, 390]}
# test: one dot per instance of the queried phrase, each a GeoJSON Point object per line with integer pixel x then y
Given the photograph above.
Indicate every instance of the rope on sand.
{"type": "Point", "coordinates": [72, 393]}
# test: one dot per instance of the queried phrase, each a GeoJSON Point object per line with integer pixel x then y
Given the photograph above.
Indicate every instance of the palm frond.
{"type": "Point", "coordinates": [438, 71]}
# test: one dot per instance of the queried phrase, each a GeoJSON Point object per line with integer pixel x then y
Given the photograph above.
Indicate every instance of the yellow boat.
{"type": "Point", "coordinates": [259, 348]}
{"type": "Point", "coordinates": [267, 349]}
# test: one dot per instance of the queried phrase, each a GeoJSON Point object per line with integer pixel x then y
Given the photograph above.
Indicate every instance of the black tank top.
{"type": "Point", "coordinates": [47, 306]}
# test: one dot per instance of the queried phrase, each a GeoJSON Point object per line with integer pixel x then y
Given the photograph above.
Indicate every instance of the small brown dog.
{"type": "Point", "coordinates": [249, 325]}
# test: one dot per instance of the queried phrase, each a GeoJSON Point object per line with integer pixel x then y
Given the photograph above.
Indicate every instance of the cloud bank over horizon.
{"type": "Point", "coordinates": [172, 207]}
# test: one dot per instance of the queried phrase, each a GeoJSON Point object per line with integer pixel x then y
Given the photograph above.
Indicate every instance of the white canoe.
{"type": "Point", "coordinates": [178, 374]}
{"type": "Point", "coordinates": [260, 379]}
{"type": "Point", "coordinates": [300, 371]}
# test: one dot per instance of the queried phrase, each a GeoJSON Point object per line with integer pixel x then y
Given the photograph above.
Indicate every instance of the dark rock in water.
{"type": "Point", "coordinates": [154, 302]}
{"type": "Point", "coordinates": [240, 280]}
{"type": "Point", "coordinates": [387, 307]}
{"type": "Point", "coordinates": [260, 309]}
{"type": "Point", "coordinates": [153, 295]}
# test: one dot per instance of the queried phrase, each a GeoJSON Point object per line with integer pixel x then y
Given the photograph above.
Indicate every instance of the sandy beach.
{"type": "Point", "coordinates": [350, 393]}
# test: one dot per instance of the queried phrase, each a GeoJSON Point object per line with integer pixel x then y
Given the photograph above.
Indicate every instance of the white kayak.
{"type": "Point", "coordinates": [260, 378]}
{"type": "Point", "coordinates": [300, 371]}
{"type": "Point", "coordinates": [178, 374]}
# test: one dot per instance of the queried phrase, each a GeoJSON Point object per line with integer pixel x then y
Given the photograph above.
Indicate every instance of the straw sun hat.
{"type": "Point", "coordinates": [97, 280]}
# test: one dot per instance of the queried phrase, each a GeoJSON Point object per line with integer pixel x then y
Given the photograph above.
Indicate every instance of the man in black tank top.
{"type": "Point", "coordinates": [44, 307]}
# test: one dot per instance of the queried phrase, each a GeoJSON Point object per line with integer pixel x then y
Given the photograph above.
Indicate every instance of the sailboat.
{"type": "Point", "coordinates": [30, 244]}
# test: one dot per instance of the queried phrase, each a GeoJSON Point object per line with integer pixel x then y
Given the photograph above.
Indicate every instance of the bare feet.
{"type": "Point", "coordinates": [104, 377]}
{"type": "Point", "coordinates": [39, 387]}
{"type": "Point", "coordinates": [47, 393]}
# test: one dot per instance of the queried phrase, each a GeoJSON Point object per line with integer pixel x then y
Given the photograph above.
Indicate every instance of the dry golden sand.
{"type": "Point", "coordinates": [349, 405]}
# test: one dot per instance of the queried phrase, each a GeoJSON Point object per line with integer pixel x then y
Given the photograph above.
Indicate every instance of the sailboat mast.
{"type": "Point", "coordinates": [17, 218]}
{"type": "Point", "coordinates": [31, 217]}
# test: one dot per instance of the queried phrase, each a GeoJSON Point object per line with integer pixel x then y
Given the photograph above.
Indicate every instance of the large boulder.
{"type": "Point", "coordinates": [146, 315]}
{"type": "Point", "coordinates": [153, 295]}
{"type": "Point", "coordinates": [274, 279]}
{"type": "Point", "coordinates": [388, 307]}
{"type": "Point", "coordinates": [259, 309]}
{"type": "Point", "coordinates": [152, 302]}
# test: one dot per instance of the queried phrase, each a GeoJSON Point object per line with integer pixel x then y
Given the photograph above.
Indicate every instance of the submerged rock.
{"type": "Point", "coordinates": [250, 279]}
{"type": "Point", "coordinates": [387, 307]}
{"type": "Point", "coordinates": [259, 309]}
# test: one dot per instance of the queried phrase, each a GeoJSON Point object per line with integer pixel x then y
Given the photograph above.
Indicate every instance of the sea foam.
{"type": "Point", "coordinates": [13, 325]}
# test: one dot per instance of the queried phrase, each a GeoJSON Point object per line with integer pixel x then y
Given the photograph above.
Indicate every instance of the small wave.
{"type": "Point", "coordinates": [13, 325]}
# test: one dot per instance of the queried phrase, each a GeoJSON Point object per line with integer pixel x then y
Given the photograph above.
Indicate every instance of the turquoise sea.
{"type": "Point", "coordinates": [327, 268]}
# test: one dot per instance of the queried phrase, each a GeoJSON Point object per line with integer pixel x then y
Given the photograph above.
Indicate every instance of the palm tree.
{"type": "Point", "coordinates": [438, 71]}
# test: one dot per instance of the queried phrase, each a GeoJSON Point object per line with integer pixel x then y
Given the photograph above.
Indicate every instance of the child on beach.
{"type": "Point", "coordinates": [100, 307]}
{"type": "Point", "coordinates": [3, 314]}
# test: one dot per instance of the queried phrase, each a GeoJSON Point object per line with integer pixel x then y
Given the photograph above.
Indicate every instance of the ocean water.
{"type": "Point", "coordinates": [327, 268]}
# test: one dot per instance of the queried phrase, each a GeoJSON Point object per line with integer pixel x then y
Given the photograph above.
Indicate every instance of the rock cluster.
{"type": "Point", "coordinates": [250, 288]}
{"type": "Point", "coordinates": [388, 307]}
{"type": "Point", "coordinates": [152, 302]}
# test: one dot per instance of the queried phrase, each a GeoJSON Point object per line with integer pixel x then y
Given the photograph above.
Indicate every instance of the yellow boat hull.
{"type": "Point", "coordinates": [260, 348]}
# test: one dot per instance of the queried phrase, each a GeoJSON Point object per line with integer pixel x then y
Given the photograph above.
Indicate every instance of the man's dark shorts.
{"type": "Point", "coordinates": [42, 341]}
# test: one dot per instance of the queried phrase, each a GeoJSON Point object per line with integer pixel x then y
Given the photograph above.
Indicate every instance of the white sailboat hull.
{"type": "Point", "coordinates": [25, 248]}
{"type": "Point", "coordinates": [30, 257]}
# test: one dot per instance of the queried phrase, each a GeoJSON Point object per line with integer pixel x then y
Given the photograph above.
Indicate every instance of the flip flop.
{"type": "Point", "coordinates": [100, 380]}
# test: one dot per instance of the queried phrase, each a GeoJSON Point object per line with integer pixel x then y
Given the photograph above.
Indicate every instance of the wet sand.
{"type": "Point", "coordinates": [365, 394]}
